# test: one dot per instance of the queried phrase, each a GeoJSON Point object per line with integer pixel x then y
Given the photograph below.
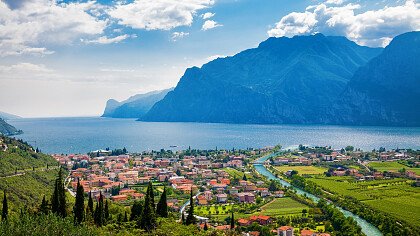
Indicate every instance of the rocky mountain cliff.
{"type": "Point", "coordinates": [7, 129]}
{"type": "Point", "coordinates": [283, 80]}
{"type": "Point", "coordinates": [134, 107]}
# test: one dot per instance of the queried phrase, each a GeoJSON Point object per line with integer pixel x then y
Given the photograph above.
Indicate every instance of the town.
{"type": "Point", "coordinates": [225, 184]}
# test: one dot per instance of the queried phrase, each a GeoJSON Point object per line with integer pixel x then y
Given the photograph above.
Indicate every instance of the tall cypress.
{"type": "Point", "coordinates": [43, 209]}
{"type": "Point", "coordinates": [148, 219]}
{"type": "Point", "coordinates": [232, 221]}
{"type": "Point", "coordinates": [152, 196]}
{"type": "Point", "coordinates": [62, 195]}
{"type": "Point", "coordinates": [79, 205]}
{"type": "Point", "coordinates": [136, 210]}
{"type": "Point", "coordinates": [55, 198]}
{"type": "Point", "coordinates": [90, 204]}
{"type": "Point", "coordinates": [190, 217]}
{"type": "Point", "coordinates": [162, 206]}
{"type": "Point", "coordinates": [99, 211]}
{"type": "Point", "coordinates": [106, 211]}
{"type": "Point", "coordinates": [96, 214]}
{"type": "Point", "coordinates": [5, 210]}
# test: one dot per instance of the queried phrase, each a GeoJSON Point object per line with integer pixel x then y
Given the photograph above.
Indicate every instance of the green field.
{"type": "Point", "coordinates": [394, 196]}
{"type": "Point", "coordinates": [213, 210]}
{"type": "Point", "coordinates": [283, 206]}
{"type": "Point", "coordinates": [233, 173]}
{"type": "Point", "coordinates": [391, 166]}
{"type": "Point", "coordinates": [302, 170]}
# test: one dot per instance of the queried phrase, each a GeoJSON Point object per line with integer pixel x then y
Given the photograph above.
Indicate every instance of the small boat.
{"type": "Point", "coordinates": [173, 146]}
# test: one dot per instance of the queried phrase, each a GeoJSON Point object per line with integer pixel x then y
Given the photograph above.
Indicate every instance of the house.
{"type": "Point", "coordinates": [262, 220]}
{"type": "Point", "coordinates": [244, 222]}
{"type": "Point", "coordinates": [246, 197]}
{"type": "Point", "coordinates": [285, 231]}
{"type": "Point", "coordinates": [221, 198]}
{"type": "Point", "coordinates": [119, 198]}
{"type": "Point", "coordinates": [307, 232]}
{"type": "Point", "coordinates": [223, 227]}
{"type": "Point", "coordinates": [279, 193]}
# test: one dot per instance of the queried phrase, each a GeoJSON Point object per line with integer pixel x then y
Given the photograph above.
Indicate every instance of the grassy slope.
{"type": "Point", "coordinates": [27, 188]}
{"type": "Point", "coordinates": [391, 166]}
{"type": "Point", "coordinates": [303, 170]}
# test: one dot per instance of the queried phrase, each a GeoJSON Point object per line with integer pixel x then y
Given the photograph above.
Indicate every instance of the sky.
{"type": "Point", "coordinates": [67, 58]}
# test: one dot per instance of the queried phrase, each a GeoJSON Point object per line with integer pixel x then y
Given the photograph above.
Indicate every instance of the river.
{"type": "Point", "coordinates": [367, 228]}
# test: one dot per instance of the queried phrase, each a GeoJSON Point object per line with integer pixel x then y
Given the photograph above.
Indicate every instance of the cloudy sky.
{"type": "Point", "coordinates": [66, 58]}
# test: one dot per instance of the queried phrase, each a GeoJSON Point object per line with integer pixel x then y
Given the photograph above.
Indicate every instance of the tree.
{"type": "Point", "coordinates": [90, 203]}
{"type": "Point", "coordinates": [106, 211]}
{"type": "Point", "coordinates": [136, 210]}
{"type": "Point", "coordinates": [79, 206]}
{"type": "Point", "coordinates": [151, 193]}
{"type": "Point", "coordinates": [162, 206]}
{"type": "Point", "coordinates": [190, 217]}
{"type": "Point", "coordinates": [5, 210]}
{"type": "Point", "coordinates": [205, 226]}
{"type": "Point", "coordinates": [178, 172]}
{"type": "Point", "coordinates": [244, 177]}
{"type": "Point", "coordinates": [43, 209]}
{"type": "Point", "coordinates": [99, 211]}
{"type": "Point", "coordinates": [183, 218]}
{"type": "Point", "coordinates": [232, 222]}
{"type": "Point", "coordinates": [58, 202]}
{"type": "Point", "coordinates": [148, 219]}
{"type": "Point", "coordinates": [125, 217]}
{"type": "Point", "coordinates": [273, 186]}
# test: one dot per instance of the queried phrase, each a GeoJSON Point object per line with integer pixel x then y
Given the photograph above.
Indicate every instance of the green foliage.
{"type": "Point", "coordinates": [136, 210]}
{"type": "Point", "coordinates": [190, 217]}
{"type": "Point", "coordinates": [148, 219]}
{"type": "Point", "coordinates": [162, 206]}
{"type": "Point", "coordinates": [58, 202]}
{"type": "Point", "coordinates": [5, 209]}
{"type": "Point", "coordinates": [79, 206]}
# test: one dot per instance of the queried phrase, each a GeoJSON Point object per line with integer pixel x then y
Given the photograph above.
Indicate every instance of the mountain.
{"type": "Point", "coordinates": [134, 107]}
{"type": "Point", "coordinates": [283, 80]}
{"type": "Point", "coordinates": [7, 116]}
{"type": "Point", "coordinates": [8, 129]}
{"type": "Point", "coordinates": [386, 91]}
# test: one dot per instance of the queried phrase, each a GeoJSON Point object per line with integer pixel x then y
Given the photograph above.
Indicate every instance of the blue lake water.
{"type": "Point", "coordinates": [81, 135]}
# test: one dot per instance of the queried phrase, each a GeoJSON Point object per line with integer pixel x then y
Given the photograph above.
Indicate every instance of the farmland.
{"type": "Point", "coordinates": [391, 166]}
{"type": "Point", "coordinates": [283, 206]}
{"type": "Point", "coordinates": [396, 196]}
{"type": "Point", "coordinates": [302, 170]}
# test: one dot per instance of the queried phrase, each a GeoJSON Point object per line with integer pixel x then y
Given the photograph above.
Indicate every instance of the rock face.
{"type": "Point", "coordinates": [7, 116]}
{"type": "Point", "coordinates": [134, 107]}
{"type": "Point", "coordinates": [386, 91]}
{"type": "Point", "coordinates": [7, 129]}
{"type": "Point", "coordinates": [283, 80]}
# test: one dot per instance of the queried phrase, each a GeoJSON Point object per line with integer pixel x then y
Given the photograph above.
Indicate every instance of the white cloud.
{"type": "Point", "coordinates": [210, 24]}
{"type": "Point", "coordinates": [178, 35]}
{"type": "Point", "coordinates": [106, 40]}
{"type": "Point", "coordinates": [337, 2]}
{"type": "Point", "coordinates": [372, 28]}
{"type": "Point", "coordinates": [207, 15]}
{"type": "Point", "coordinates": [31, 23]}
{"type": "Point", "coordinates": [24, 70]}
{"type": "Point", "coordinates": [158, 14]}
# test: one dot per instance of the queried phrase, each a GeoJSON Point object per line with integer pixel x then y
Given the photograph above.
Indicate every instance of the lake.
{"type": "Point", "coordinates": [84, 134]}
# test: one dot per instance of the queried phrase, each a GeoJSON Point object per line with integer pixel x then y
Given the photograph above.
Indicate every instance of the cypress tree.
{"type": "Point", "coordinates": [152, 196]}
{"type": "Point", "coordinates": [136, 210]}
{"type": "Point", "coordinates": [162, 206]}
{"type": "Point", "coordinates": [245, 178]}
{"type": "Point", "coordinates": [106, 211]}
{"type": "Point", "coordinates": [99, 211]}
{"type": "Point", "coordinates": [55, 199]}
{"type": "Point", "coordinates": [125, 217]}
{"type": "Point", "coordinates": [232, 222]}
{"type": "Point", "coordinates": [79, 205]}
{"type": "Point", "coordinates": [62, 195]}
{"type": "Point", "coordinates": [43, 209]}
{"type": "Point", "coordinates": [5, 210]}
{"type": "Point", "coordinates": [205, 226]}
{"type": "Point", "coordinates": [96, 214]}
{"type": "Point", "coordinates": [90, 204]}
{"type": "Point", "coordinates": [183, 218]}
{"type": "Point", "coordinates": [148, 219]}
{"type": "Point", "coordinates": [190, 217]}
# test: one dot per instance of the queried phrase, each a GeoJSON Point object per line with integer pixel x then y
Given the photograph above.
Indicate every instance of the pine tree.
{"type": "Point", "coordinates": [43, 209]}
{"type": "Point", "coordinates": [90, 204]}
{"type": "Point", "coordinates": [79, 205]}
{"type": "Point", "coordinates": [232, 221]}
{"type": "Point", "coordinates": [190, 217]}
{"type": "Point", "coordinates": [106, 211]}
{"type": "Point", "coordinates": [162, 206]}
{"type": "Point", "coordinates": [148, 219]}
{"type": "Point", "coordinates": [5, 211]}
{"type": "Point", "coordinates": [136, 210]}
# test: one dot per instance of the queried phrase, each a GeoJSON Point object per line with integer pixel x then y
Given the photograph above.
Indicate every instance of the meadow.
{"type": "Point", "coordinates": [394, 196]}
{"type": "Point", "coordinates": [391, 166]}
{"type": "Point", "coordinates": [302, 170]}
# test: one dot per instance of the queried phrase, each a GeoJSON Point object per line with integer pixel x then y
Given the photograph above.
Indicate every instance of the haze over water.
{"type": "Point", "coordinates": [81, 135]}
